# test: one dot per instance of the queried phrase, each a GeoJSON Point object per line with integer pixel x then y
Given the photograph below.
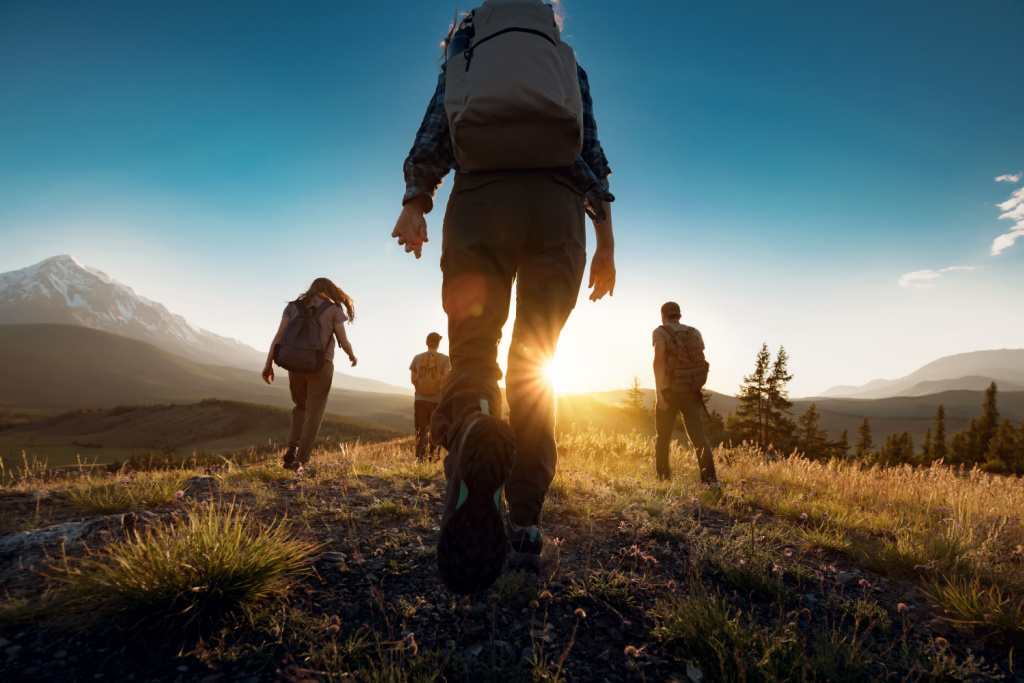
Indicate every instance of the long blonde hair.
{"type": "Point", "coordinates": [325, 287]}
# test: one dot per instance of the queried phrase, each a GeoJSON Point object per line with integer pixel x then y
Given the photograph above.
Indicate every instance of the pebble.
{"type": "Point", "coordinates": [845, 579]}
{"type": "Point", "coordinates": [13, 651]}
{"type": "Point", "coordinates": [4, 642]}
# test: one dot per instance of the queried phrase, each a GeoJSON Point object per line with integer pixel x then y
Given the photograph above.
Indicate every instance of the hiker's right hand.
{"type": "Point", "coordinates": [411, 229]}
{"type": "Point", "coordinates": [662, 404]}
{"type": "Point", "coordinates": [268, 373]}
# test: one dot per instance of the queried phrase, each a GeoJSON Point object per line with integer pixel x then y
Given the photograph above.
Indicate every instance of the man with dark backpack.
{"type": "Point", "coordinates": [680, 372]}
{"type": "Point", "coordinates": [303, 346]}
{"type": "Point", "coordinates": [427, 369]}
{"type": "Point", "coordinates": [512, 115]}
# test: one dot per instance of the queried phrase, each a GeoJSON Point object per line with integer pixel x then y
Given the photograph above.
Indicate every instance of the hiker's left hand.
{"type": "Point", "coordinates": [268, 373]}
{"type": "Point", "coordinates": [602, 274]}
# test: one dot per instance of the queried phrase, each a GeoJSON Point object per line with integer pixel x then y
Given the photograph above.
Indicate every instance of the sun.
{"type": "Point", "coordinates": [559, 374]}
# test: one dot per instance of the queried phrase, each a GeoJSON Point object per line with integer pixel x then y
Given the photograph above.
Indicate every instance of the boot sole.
{"type": "Point", "coordinates": [471, 546]}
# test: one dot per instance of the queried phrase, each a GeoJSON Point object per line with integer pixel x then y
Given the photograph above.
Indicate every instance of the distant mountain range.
{"type": "Point", "coordinates": [55, 368]}
{"type": "Point", "coordinates": [973, 371]}
{"type": "Point", "coordinates": [61, 290]}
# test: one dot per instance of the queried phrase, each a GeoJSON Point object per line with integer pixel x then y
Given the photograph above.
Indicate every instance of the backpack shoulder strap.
{"type": "Point", "coordinates": [324, 306]}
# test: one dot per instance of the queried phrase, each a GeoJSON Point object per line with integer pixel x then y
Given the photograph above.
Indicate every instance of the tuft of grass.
{"type": "Point", "coordinates": [218, 559]}
{"type": "Point", "coordinates": [609, 588]}
{"type": "Point", "coordinates": [133, 493]}
{"type": "Point", "coordinates": [391, 510]}
{"type": "Point", "coordinates": [989, 612]}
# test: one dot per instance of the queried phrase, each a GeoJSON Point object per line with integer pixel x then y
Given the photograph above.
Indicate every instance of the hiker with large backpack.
{"type": "Point", "coordinates": [303, 346]}
{"type": "Point", "coordinates": [427, 368]}
{"type": "Point", "coordinates": [512, 115]}
{"type": "Point", "coordinates": [680, 372]}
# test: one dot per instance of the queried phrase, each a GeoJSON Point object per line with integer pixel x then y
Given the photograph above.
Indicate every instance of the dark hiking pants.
{"type": "Point", "coordinates": [422, 411]}
{"type": "Point", "coordinates": [527, 228]}
{"type": "Point", "coordinates": [689, 404]}
{"type": "Point", "coordinates": [309, 394]}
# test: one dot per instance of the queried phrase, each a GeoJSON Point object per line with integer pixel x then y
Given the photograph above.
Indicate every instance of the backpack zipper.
{"type": "Point", "coordinates": [469, 52]}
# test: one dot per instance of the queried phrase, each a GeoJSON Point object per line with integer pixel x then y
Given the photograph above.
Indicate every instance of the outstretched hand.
{"type": "Point", "coordinates": [602, 274]}
{"type": "Point", "coordinates": [411, 229]}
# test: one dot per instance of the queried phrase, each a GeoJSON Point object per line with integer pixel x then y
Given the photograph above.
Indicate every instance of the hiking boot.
{"type": "Point", "coordinates": [290, 463]}
{"type": "Point", "coordinates": [524, 547]}
{"type": "Point", "coordinates": [471, 545]}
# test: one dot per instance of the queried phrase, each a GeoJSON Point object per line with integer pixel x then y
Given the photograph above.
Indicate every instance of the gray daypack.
{"type": "Point", "coordinates": [512, 94]}
{"type": "Point", "coordinates": [685, 365]}
{"type": "Point", "coordinates": [301, 348]}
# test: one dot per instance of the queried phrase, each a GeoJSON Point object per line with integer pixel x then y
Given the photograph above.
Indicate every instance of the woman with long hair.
{"type": "Point", "coordinates": [326, 304]}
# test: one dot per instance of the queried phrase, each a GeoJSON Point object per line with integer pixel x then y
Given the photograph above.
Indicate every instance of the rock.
{"type": "Point", "coordinates": [938, 626]}
{"type": "Point", "coordinates": [334, 557]}
{"type": "Point", "coordinates": [811, 598]}
{"type": "Point", "coordinates": [4, 642]}
{"type": "Point", "coordinates": [694, 673]}
{"type": "Point", "coordinates": [505, 649]}
{"type": "Point", "coordinates": [13, 651]}
{"type": "Point", "coordinates": [845, 579]}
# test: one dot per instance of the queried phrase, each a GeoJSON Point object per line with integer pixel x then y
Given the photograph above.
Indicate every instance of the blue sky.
{"type": "Point", "coordinates": [779, 168]}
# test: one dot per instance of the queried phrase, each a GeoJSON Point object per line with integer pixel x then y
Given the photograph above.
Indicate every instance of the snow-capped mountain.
{"type": "Point", "coordinates": [62, 290]}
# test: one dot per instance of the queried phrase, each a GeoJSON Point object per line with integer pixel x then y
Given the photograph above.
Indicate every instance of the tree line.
{"type": "Point", "coordinates": [764, 417]}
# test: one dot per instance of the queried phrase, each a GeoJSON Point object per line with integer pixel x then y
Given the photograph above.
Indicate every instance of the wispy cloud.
{"type": "Point", "coordinates": [1009, 178]}
{"type": "Point", "coordinates": [922, 278]}
{"type": "Point", "coordinates": [1013, 210]}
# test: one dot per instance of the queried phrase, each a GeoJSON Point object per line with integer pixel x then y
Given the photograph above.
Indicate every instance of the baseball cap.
{"type": "Point", "coordinates": [433, 338]}
{"type": "Point", "coordinates": [670, 309]}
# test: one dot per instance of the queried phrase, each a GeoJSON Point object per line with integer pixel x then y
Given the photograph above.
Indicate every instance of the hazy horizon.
{"type": "Point", "coordinates": [844, 180]}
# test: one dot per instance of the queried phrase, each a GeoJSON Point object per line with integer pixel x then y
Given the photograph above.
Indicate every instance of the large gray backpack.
{"type": "Point", "coordinates": [301, 348]}
{"type": "Point", "coordinates": [685, 365]}
{"type": "Point", "coordinates": [512, 95]}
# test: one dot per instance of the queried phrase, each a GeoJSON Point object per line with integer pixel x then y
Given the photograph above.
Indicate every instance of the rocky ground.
{"type": "Point", "coordinates": [372, 608]}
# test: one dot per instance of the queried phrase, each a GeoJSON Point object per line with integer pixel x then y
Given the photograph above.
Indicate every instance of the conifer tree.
{"type": "Point", "coordinates": [810, 437]}
{"type": "Point", "coordinates": [750, 416]}
{"type": "Point", "coordinates": [864, 445]}
{"type": "Point", "coordinates": [939, 441]}
{"type": "Point", "coordinates": [1002, 451]}
{"type": "Point", "coordinates": [841, 448]}
{"type": "Point", "coordinates": [635, 398]}
{"type": "Point", "coordinates": [987, 424]}
{"type": "Point", "coordinates": [926, 446]}
{"type": "Point", "coordinates": [779, 408]}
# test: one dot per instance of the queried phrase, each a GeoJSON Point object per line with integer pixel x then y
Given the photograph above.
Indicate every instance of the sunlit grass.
{"type": "Point", "coordinates": [112, 494]}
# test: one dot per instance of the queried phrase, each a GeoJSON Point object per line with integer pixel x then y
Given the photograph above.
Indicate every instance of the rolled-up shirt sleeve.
{"type": "Point", "coordinates": [431, 156]}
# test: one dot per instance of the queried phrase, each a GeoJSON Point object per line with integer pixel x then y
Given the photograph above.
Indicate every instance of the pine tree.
{"type": "Point", "coordinates": [714, 428]}
{"type": "Point", "coordinates": [864, 446]}
{"type": "Point", "coordinates": [779, 411]}
{"type": "Point", "coordinates": [750, 417]}
{"type": "Point", "coordinates": [926, 446]}
{"type": "Point", "coordinates": [987, 424]}
{"type": "Point", "coordinates": [635, 398]}
{"type": "Point", "coordinates": [1002, 449]}
{"type": "Point", "coordinates": [810, 437]}
{"type": "Point", "coordinates": [939, 451]}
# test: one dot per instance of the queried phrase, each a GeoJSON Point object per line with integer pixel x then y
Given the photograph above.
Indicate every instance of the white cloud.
{"type": "Point", "coordinates": [1013, 210]}
{"type": "Point", "coordinates": [920, 278]}
{"type": "Point", "coordinates": [1009, 178]}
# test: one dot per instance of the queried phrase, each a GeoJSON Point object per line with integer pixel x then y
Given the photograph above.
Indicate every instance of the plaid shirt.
{"type": "Point", "coordinates": [431, 156]}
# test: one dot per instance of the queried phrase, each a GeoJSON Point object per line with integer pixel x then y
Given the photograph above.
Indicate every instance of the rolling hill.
{"type": "Point", "coordinates": [64, 367]}
{"type": "Point", "coordinates": [973, 371]}
{"type": "Point", "coordinates": [211, 425]}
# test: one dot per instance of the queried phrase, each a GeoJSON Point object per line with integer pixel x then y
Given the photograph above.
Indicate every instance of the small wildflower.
{"type": "Point", "coordinates": [695, 501]}
{"type": "Point", "coordinates": [378, 552]}
{"type": "Point", "coordinates": [818, 575]}
{"type": "Point", "coordinates": [941, 642]}
{"type": "Point", "coordinates": [534, 604]}
{"type": "Point", "coordinates": [672, 585]}
{"type": "Point", "coordinates": [179, 494]}
{"type": "Point", "coordinates": [824, 515]}
{"type": "Point", "coordinates": [788, 552]}
{"type": "Point", "coordinates": [580, 614]}
{"type": "Point", "coordinates": [557, 542]}
{"type": "Point", "coordinates": [302, 470]}
{"type": "Point", "coordinates": [631, 652]}
{"type": "Point", "coordinates": [803, 517]}
{"type": "Point", "coordinates": [545, 595]}
{"type": "Point", "coordinates": [627, 624]}
{"type": "Point", "coordinates": [778, 569]}
{"type": "Point", "coordinates": [864, 583]}
{"type": "Point", "coordinates": [274, 632]}
{"type": "Point", "coordinates": [495, 597]}
{"type": "Point", "coordinates": [291, 487]}
{"type": "Point", "coordinates": [335, 619]}
{"type": "Point", "coordinates": [902, 608]}
{"type": "Point", "coordinates": [410, 643]}
{"type": "Point", "coordinates": [623, 525]}
{"type": "Point", "coordinates": [333, 628]}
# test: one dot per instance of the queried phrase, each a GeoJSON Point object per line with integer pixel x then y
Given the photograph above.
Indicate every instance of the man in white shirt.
{"type": "Point", "coordinates": [427, 370]}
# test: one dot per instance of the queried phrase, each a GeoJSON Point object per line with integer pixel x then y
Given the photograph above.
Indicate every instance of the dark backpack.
{"type": "Point", "coordinates": [684, 360]}
{"type": "Point", "coordinates": [301, 347]}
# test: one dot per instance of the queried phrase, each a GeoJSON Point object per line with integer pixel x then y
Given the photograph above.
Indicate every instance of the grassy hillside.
{"type": "Point", "coordinates": [64, 367]}
{"type": "Point", "coordinates": [795, 571]}
{"type": "Point", "coordinates": [101, 436]}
